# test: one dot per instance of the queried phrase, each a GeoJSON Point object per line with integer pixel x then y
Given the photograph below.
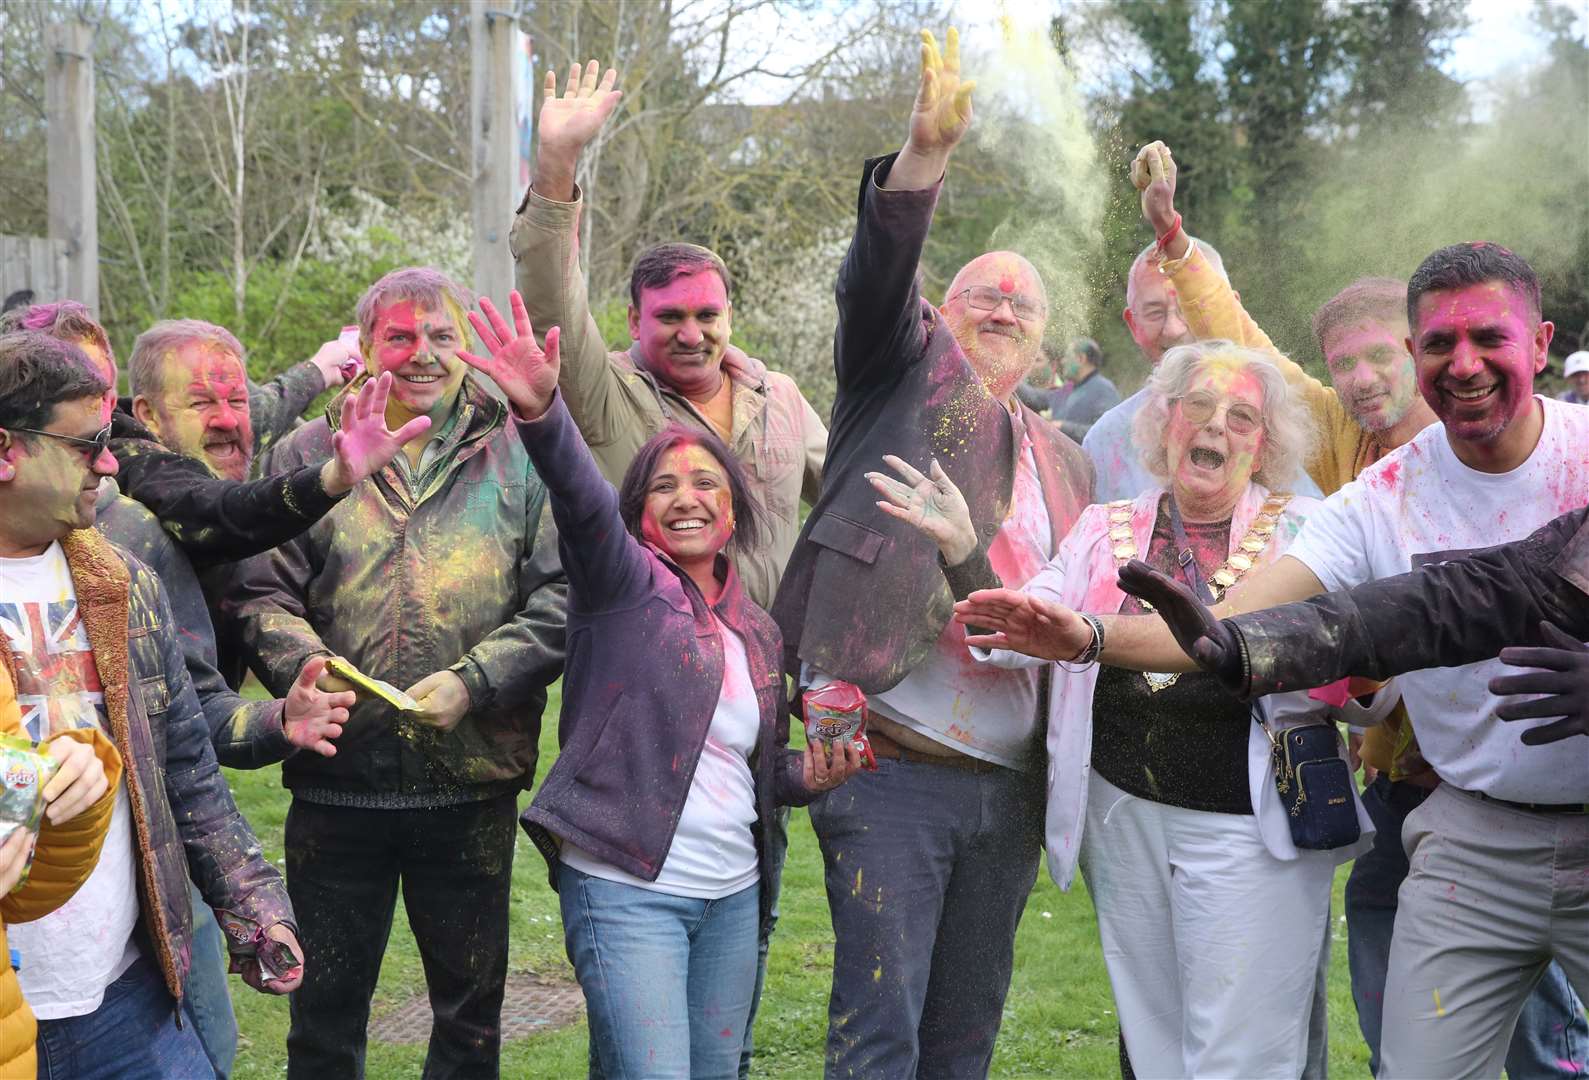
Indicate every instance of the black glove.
{"type": "Point", "coordinates": [1564, 678]}
{"type": "Point", "coordinates": [1201, 636]}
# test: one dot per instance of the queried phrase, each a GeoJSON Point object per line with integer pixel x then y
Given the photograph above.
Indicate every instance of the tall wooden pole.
{"type": "Point", "coordinates": [494, 139]}
{"type": "Point", "coordinates": [73, 194]}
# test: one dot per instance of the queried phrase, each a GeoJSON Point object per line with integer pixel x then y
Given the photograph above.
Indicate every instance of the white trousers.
{"type": "Point", "coordinates": [1212, 943]}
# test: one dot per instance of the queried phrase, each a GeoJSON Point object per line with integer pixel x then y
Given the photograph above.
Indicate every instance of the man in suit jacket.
{"type": "Point", "coordinates": [929, 859]}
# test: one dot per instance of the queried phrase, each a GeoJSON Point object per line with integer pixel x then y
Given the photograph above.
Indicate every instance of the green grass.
{"type": "Point", "coordinates": [1058, 1020]}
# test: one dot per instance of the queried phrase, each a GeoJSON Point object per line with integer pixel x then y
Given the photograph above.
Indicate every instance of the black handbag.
{"type": "Point", "coordinates": [1315, 786]}
{"type": "Point", "coordinates": [1314, 781]}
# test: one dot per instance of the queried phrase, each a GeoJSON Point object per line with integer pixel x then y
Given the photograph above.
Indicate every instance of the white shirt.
{"type": "Point", "coordinates": [982, 711]}
{"type": "Point", "coordinates": [1420, 501]}
{"type": "Point", "coordinates": [70, 956]}
{"type": "Point", "coordinates": [713, 853]}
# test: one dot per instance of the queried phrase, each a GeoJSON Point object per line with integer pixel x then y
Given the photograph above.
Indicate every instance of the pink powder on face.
{"type": "Point", "coordinates": [1481, 337]}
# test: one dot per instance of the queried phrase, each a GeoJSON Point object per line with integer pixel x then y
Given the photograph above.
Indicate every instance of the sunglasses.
{"type": "Point", "coordinates": [92, 447]}
{"type": "Point", "coordinates": [1240, 418]}
{"type": "Point", "coordinates": [987, 298]}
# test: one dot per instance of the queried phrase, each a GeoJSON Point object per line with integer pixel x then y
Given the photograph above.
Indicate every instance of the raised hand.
{"type": "Point", "coordinates": [1023, 623]}
{"type": "Point", "coordinates": [930, 503]}
{"type": "Point", "coordinates": [312, 717]}
{"type": "Point", "coordinates": [567, 124]}
{"type": "Point", "coordinates": [938, 120]}
{"type": "Point", "coordinates": [1153, 173]}
{"type": "Point", "coordinates": [1199, 633]}
{"type": "Point", "coordinates": [1564, 679]}
{"type": "Point", "coordinates": [365, 445]}
{"type": "Point", "coordinates": [526, 373]}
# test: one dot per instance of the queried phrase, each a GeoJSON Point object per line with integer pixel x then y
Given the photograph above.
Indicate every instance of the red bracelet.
{"type": "Point", "coordinates": [1164, 241]}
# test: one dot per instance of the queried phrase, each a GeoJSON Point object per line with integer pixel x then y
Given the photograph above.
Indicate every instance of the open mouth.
{"type": "Point", "coordinates": [420, 380]}
{"type": "Point", "coordinates": [687, 525]}
{"type": "Point", "coordinates": [224, 450]}
{"type": "Point", "coordinates": [1204, 458]}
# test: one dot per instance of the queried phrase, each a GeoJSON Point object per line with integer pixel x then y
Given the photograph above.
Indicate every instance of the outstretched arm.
{"type": "Point", "coordinates": [879, 297]}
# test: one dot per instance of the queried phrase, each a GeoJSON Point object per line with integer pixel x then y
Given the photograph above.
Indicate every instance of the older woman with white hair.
{"type": "Point", "coordinates": [1212, 920]}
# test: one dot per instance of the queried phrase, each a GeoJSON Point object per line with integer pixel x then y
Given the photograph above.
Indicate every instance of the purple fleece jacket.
{"type": "Point", "coordinates": [642, 678]}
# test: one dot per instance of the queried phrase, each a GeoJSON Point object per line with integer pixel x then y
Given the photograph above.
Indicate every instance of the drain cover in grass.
{"type": "Point", "coordinates": [532, 1004]}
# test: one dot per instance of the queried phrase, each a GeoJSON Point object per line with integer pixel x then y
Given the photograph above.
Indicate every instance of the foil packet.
{"type": "Point", "coordinates": [385, 691]}
{"type": "Point", "coordinates": [349, 337]}
{"type": "Point", "coordinates": [836, 711]}
{"type": "Point", "coordinates": [25, 768]}
{"type": "Point", "coordinates": [246, 940]}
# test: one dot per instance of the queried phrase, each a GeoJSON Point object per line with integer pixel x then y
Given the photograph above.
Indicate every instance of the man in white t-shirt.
{"type": "Point", "coordinates": [1499, 883]}
{"type": "Point", "coordinates": [88, 636]}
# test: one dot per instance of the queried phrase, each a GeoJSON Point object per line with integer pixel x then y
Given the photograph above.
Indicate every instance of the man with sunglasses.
{"type": "Point", "coordinates": [87, 632]}
{"type": "Point", "coordinates": [929, 859]}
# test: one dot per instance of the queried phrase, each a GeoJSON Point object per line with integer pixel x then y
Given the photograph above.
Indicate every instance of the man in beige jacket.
{"type": "Point", "coordinates": [681, 368]}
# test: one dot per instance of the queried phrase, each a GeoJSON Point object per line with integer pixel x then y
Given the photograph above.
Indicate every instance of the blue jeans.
{"type": "Point", "coordinates": [927, 868]}
{"type": "Point", "coordinates": [667, 979]}
{"type": "Point", "coordinates": [1551, 1032]}
{"type": "Point", "coordinates": [133, 1035]}
{"type": "Point", "coordinates": [777, 839]}
{"type": "Point", "coordinates": [207, 993]}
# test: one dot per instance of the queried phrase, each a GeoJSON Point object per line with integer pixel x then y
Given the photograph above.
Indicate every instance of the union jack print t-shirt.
{"type": "Point", "coordinates": [70, 956]}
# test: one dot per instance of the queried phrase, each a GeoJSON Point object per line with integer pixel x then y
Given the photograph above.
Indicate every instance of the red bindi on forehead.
{"type": "Point", "coordinates": [1006, 284]}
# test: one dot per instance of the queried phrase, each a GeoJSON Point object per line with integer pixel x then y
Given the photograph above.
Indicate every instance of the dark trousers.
{"type": "Point", "coordinates": [455, 866]}
{"type": "Point", "coordinates": [928, 869]}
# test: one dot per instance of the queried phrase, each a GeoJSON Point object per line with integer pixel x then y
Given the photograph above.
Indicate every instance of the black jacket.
{"type": "Point", "coordinates": [1441, 615]}
{"type": "Point", "coordinates": [214, 520]}
{"type": "Point", "coordinates": [863, 598]}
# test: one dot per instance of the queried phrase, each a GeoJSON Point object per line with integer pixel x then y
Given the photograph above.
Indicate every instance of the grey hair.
{"type": "Point", "coordinates": [1148, 256]}
{"type": "Point", "coordinates": [1289, 430]}
{"type": "Point", "coordinates": [145, 368]}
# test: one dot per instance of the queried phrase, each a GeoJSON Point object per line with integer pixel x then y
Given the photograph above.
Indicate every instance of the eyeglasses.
{"type": "Point", "coordinates": [987, 298]}
{"type": "Point", "coordinates": [1240, 418]}
{"type": "Point", "coordinates": [92, 447]}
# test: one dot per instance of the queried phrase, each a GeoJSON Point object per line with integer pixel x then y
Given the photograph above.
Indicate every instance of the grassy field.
{"type": "Point", "coordinates": [1058, 1020]}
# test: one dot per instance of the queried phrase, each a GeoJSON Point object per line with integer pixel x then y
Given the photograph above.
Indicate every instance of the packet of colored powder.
{"type": "Point", "coordinates": [385, 691]}
{"type": "Point", "coordinates": [350, 337]}
{"type": "Point", "coordinates": [25, 768]}
{"type": "Point", "coordinates": [836, 711]}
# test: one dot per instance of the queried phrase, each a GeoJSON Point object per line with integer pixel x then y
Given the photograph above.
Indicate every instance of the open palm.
{"type": "Point", "coordinates": [571, 121]}
{"type": "Point", "coordinates": [363, 444]}
{"type": "Point", "coordinates": [526, 373]}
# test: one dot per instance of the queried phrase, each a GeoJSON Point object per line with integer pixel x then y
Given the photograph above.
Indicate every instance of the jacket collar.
{"type": "Point", "coordinates": [485, 411]}
{"type": "Point", "coordinates": [103, 586]}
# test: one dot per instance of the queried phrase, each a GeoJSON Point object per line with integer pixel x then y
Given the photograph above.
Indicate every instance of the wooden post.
{"type": "Point", "coordinates": [494, 139]}
{"type": "Point", "coordinates": [73, 194]}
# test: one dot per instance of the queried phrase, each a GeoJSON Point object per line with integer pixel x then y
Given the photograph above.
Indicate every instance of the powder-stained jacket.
{"type": "Point", "coordinates": [460, 575]}
{"type": "Point", "coordinates": [246, 734]}
{"type": "Point", "coordinates": [184, 822]}
{"type": "Point", "coordinates": [618, 404]}
{"type": "Point", "coordinates": [276, 407]}
{"type": "Point", "coordinates": [863, 599]}
{"type": "Point", "coordinates": [645, 671]}
{"type": "Point", "coordinates": [63, 858]}
{"type": "Point", "coordinates": [214, 520]}
{"type": "Point", "coordinates": [1440, 615]}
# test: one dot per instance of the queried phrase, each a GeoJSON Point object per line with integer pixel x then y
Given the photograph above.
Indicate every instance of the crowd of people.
{"type": "Point", "coordinates": [1125, 635]}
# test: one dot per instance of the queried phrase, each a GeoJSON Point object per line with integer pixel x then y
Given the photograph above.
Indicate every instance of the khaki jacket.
{"type": "Point", "coordinates": [1213, 310]}
{"type": "Point", "coordinates": [65, 856]}
{"type": "Point", "coordinates": [618, 405]}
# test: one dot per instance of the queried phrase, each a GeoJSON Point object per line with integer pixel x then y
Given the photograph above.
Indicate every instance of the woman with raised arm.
{"type": "Point", "coordinates": [1162, 785]}
{"type": "Point", "coordinates": [674, 731]}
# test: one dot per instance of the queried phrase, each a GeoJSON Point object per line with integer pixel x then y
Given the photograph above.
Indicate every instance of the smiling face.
{"type": "Point", "coordinates": [202, 410]}
{"type": "Point", "coordinates": [1211, 463]}
{"type": "Point", "coordinates": [683, 328]}
{"type": "Point", "coordinates": [689, 508]}
{"type": "Point", "coordinates": [1154, 317]}
{"type": "Point", "coordinates": [1000, 344]}
{"type": "Point", "coordinates": [54, 483]}
{"type": "Point", "coordinates": [1372, 371]}
{"type": "Point", "coordinates": [419, 346]}
{"type": "Point", "coordinates": [1477, 350]}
